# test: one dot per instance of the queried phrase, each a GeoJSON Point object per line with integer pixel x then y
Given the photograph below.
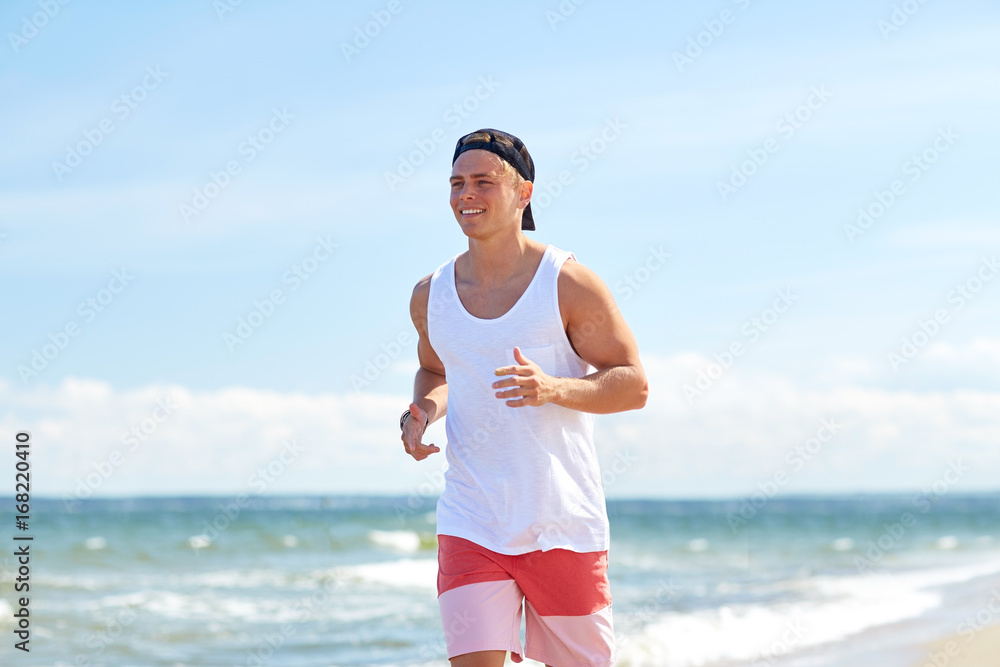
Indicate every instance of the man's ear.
{"type": "Point", "coordinates": [526, 189]}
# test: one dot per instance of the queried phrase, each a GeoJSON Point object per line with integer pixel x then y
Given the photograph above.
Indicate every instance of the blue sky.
{"type": "Point", "coordinates": [819, 108]}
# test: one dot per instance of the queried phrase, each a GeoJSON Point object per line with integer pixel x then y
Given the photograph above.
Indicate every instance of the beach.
{"type": "Point", "coordinates": [971, 648]}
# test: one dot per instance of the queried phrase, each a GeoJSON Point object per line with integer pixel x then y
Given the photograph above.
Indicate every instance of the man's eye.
{"type": "Point", "coordinates": [484, 181]}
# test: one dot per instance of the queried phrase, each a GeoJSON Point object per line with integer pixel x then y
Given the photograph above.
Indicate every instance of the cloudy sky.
{"type": "Point", "coordinates": [212, 215]}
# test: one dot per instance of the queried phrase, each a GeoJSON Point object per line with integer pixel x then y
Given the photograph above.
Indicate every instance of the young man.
{"type": "Point", "coordinates": [507, 333]}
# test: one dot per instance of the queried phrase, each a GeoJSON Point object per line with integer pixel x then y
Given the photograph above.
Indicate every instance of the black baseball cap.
{"type": "Point", "coordinates": [508, 148]}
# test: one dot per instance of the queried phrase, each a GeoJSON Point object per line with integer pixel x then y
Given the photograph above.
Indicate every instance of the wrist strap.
{"type": "Point", "coordinates": [406, 414]}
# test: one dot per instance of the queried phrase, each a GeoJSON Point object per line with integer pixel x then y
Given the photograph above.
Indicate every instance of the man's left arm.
{"type": "Point", "coordinates": [598, 332]}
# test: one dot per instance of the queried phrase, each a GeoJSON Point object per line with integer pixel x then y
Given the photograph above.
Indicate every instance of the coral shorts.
{"type": "Point", "coordinates": [566, 596]}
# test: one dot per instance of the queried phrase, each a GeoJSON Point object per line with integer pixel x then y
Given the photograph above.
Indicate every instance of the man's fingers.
{"type": "Point", "coordinates": [423, 451]}
{"type": "Point", "coordinates": [512, 370]}
{"type": "Point", "coordinates": [420, 449]}
{"type": "Point", "coordinates": [510, 392]}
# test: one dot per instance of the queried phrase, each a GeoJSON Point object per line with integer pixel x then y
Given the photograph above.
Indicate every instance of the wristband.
{"type": "Point", "coordinates": [406, 414]}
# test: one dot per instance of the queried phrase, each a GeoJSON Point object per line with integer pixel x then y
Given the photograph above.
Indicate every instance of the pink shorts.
{"type": "Point", "coordinates": [566, 595]}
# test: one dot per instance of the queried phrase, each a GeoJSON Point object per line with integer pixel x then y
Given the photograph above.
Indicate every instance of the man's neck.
{"type": "Point", "coordinates": [495, 261]}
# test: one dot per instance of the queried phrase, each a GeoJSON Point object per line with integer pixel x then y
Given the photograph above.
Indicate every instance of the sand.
{"type": "Point", "coordinates": [968, 648]}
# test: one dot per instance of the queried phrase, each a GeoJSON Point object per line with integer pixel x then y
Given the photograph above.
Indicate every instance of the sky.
{"type": "Point", "coordinates": [213, 214]}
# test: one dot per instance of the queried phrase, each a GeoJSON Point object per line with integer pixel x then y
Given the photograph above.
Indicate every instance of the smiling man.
{"type": "Point", "coordinates": [508, 331]}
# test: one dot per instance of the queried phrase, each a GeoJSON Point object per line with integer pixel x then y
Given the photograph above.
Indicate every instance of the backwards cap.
{"type": "Point", "coordinates": [508, 148]}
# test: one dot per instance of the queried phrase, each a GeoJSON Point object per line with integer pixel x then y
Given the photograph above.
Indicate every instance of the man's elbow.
{"type": "Point", "coordinates": [643, 392]}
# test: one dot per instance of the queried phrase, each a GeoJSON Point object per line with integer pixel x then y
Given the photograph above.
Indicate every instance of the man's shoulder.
{"type": "Point", "coordinates": [422, 289]}
{"type": "Point", "coordinates": [577, 278]}
{"type": "Point", "coordinates": [423, 286]}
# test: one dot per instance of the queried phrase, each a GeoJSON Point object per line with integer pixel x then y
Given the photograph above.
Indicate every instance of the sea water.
{"type": "Point", "coordinates": [320, 581]}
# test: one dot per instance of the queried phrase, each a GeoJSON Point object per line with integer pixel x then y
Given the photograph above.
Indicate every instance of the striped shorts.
{"type": "Point", "coordinates": [566, 596]}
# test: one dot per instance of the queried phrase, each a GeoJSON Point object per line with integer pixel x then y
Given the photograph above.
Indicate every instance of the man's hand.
{"type": "Point", "coordinates": [532, 385]}
{"type": "Point", "coordinates": [413, 431]}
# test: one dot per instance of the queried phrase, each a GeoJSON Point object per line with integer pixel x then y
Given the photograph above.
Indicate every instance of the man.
{"type": "Point", "coordinates": [507, 333]}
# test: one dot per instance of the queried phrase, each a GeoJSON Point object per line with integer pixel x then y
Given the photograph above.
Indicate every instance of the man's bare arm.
{"type": "Point", "coordinates": [430, 388]}
{"type": "Point", "coordinates": [599, 334]}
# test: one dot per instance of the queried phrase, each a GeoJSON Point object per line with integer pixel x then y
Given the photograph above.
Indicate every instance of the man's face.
{"type": "Point", "coordinates": [482, 197]}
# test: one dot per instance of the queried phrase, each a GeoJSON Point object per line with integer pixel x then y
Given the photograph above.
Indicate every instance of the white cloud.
{"type": "Point", "coordinates": [742, 430]}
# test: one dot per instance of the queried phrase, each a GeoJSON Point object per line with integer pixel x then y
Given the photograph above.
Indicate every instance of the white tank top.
{"type": "Point", "coordinates": [524, 478]}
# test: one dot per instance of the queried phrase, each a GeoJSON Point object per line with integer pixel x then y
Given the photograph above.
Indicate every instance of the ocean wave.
{"type": "Point", "coordinates": [399, 540]}
{"type": "Point", "coordinates": [842, 606]}
{"type": "Point", "coordinates": [206, 606]}
{"type": "Point", "coordinates": [95, 543]}
{"type": "Point", "coordinates": [405, 573]}
{"type": "Point", "coordinates": [6, 613]}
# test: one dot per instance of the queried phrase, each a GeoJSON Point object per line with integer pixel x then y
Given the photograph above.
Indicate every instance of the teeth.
{"type": "Point", "coordinates": [466, 211]}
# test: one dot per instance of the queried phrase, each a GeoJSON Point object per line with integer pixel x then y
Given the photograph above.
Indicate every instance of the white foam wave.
{"type": "Point", "coordinates": [6, 613]}
{"type": "Point", "coordinates": [405, 573]}
{"type": "Point", "coordinates": [844, 606]}
{"type": "Point", "coordinates": [199, 541]}
{"type": "Point", "coordinates": [72, 581]}
{"type": "Point", "coordinates": [400, 540]}
{"type": "Point", "coordinates": [212, 579]}
{"type": "Point", "coordinates": [204, 606]}
{"type": "Point", "coordinates": [842, 544]}
{"type": "Point", "coordinates": [95, 543]}
{"type": "Point", "coordinates": [947, 542]}
{"type": "Point", "coordinates": [700, 544]}
{"type": "Point", "coordinates": [234, 579]}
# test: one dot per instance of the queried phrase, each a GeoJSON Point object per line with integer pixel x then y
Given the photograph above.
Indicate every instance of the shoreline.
{"type": "Point", "coordinates": [968, 647]}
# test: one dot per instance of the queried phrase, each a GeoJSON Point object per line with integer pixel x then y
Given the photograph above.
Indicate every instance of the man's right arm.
{"type": "Point", "coordinates": [430, 388]}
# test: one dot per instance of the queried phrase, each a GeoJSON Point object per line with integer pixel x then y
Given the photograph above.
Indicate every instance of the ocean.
{"type": "Point", "coordinates": [338, 580]}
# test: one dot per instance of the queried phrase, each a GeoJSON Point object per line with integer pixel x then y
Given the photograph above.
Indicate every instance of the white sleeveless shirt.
{"type": "Point", "coordinates": [524, 478]}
